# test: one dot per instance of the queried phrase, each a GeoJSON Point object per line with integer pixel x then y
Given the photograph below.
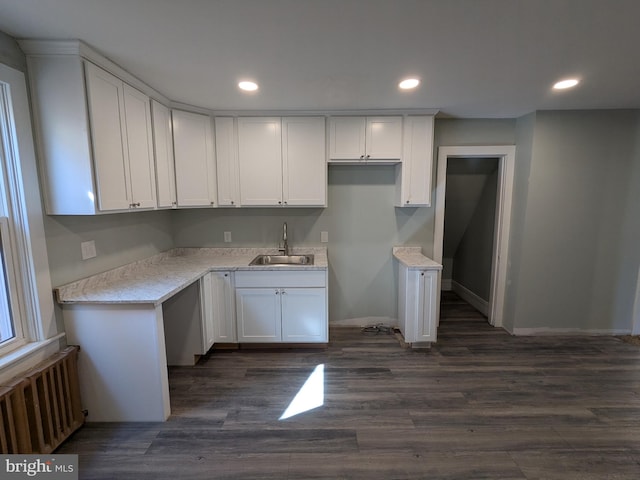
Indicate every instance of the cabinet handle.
{"type": "Point", "coordinates": [232, 202]}
{"type": "Point", "coordinates": [283, 291]}
{"type": "Point", "coordinates": [277, 292]}
{"type": "Point", "coordinates": [226, 274]}
{"type": "Point", "coordinates": [422, 274]}
{"type": "Point", "coordinates": [407, 201]}
{"type": "Point", "coordinates": [367, 157]}
{"type": "Point", "coordinates": [361, 157]}
{"type": "Point", "coordinates": [211, 203]}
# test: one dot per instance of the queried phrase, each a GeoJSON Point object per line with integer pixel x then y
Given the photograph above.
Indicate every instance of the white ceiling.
{"type": "Point", "coordinates": [476, 58]}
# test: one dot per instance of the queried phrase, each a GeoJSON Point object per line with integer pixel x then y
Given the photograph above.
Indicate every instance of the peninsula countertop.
{"type": "Point", "coordinates": [157, 278]}
{"type": "Point", "coordinates": [413, 258]}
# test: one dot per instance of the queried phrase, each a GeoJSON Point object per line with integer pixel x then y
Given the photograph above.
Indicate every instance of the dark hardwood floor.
{"type": "Point", "coordinates": [480, 404]}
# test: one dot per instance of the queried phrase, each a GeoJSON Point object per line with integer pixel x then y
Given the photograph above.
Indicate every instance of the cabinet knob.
{"type": "Point", "coordinates": [279, 202]}
{"type": "Point", "coordinates": [212, 203]}
{"type": "Point", "coordinates": [408, 201]}
{"type": "Point", "coordinates": [367, 157]}
{"type": "Point", "coordinates": [422, 273]}
{"type": "Point", "coordinates": [232, 202]}
{"type": "Point", "coordinates": [361, 157]}
{"type": "Point", "coordinates": [277, 292]}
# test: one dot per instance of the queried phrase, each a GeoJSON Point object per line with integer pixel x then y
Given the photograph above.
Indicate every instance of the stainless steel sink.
{"type": "Point", "coordinates": [282, 260]}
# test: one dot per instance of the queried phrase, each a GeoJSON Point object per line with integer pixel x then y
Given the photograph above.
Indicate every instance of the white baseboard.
{"type": "Point", "coordinates": [445, 284]}
{"type": "Point", "coordinates": [471, 298]}
{"type": "Point", "coordinates": [549, 331]}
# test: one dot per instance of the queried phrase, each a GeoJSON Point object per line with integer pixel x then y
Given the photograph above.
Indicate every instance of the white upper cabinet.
{"type": "Point", "coordinates": [227, 162]}
{"type": "Point", "coordinates": [281, 161]}
{"type": "Point", "coordinates": [163, 146]}
{"type": "Point", "coordinates": [194, 159]}
{"type": "Point", "coordinates": [304, 169]}
{"type": "Point", "coordinates": [260, 161]}
{"type": "Point", "coordinates": [94, 136]}
{"type": "Point", "coordinates": [414, 188]}
{"type": "Point", "coordinates": [365, 139]}
{"type": "Point", "coordinates": [120, 121]}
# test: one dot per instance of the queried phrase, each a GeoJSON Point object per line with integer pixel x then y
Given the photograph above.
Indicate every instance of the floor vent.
{"type": "Point", "coordinates": [39, 410]}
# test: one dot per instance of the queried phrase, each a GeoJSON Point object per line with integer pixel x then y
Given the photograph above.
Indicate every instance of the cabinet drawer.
{"type": "Point", "coordinates": [281, 279]}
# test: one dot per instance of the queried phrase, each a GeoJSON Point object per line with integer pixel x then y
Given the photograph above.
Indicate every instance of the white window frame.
{"type": "Point", "coordinates": [25, 285]}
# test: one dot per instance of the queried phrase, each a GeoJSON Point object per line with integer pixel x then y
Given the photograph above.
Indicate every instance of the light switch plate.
{"type": "Point", "coordinates": [324, 237]}
{"type": "Point", "coordinates": [227, 237]}
{"type": "Point", "coordinates": [88, 249]}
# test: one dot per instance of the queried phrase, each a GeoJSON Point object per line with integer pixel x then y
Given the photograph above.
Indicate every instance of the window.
{"type": "Point", "coordinates": [19, 310]}
{"type": "Point", "coordinates": [7, 330]}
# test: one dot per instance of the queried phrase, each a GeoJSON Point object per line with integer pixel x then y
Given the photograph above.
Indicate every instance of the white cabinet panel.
{"type": "Point", "coordinates": [347, 138]}
{"type": "Point", "coordinates": [165, 165]}
{"type": "Point", "coordinates": [414, 188]}
{"type": "Point", "coordinates": [139, 142]}
{"type": "Point", "coordinates": [223, 308]}
{"type": "Point", "coordinates": [258, 314]}
{"type": "Point", "coordinates": [260, 160]}
{"type": "Point", "coordinates": [384, 138]}
{"type": "Point", "coordinates": [304, 168]}
{"type": "Point", "coordinates": [417, 304]}
{"type": "Point", "coordinates": [304, 315]}
{"type": "Point", "coordinates": [106, 105]}
{"type": "Point", "coordinates": [194, 158]}
{"type": "Point", "coordinates": [227, 162]}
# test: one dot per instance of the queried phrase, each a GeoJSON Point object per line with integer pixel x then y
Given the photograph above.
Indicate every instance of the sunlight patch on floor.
{"type": "Point", "coordinates": [310, 396]}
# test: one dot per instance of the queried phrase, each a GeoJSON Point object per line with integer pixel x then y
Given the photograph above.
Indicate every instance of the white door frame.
{"type": "Point", "coordinates": [506, 155]}
{"type": "Point", "coordinates": [635, 325]}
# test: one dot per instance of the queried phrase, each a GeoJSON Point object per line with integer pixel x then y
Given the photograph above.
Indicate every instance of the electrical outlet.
{"type": "Point", "coordinates": [88, 249]}
{"type": "Point", "coordinates": [324, 237]}
{"type": "Point", "coordinates": [227, 237]}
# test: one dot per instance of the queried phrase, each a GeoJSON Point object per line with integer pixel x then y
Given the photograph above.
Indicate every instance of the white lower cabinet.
{"type": "Point", "coordinates": [418, 304]}
{"type": "Point", "coordinates": [286, 306]}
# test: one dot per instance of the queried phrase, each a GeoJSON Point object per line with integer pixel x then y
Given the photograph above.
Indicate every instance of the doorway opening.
{"type": "Point", "coordinates": [467, 251]}
{"type": "Point", "coordinates": [504, 156]}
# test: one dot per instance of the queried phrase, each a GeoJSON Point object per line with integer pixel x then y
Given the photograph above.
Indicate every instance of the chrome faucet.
{"type": "Point", "coordinates": [285, 243]}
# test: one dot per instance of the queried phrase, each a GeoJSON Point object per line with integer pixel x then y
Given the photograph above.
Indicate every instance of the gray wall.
{"type": "Point", "coordinates": [363, 226]}
{"type": "Point", "coordinates": [120, 239]}
{"type": "Point", "coordinates": [473, 258]}
{"type": "Point", "coordinates": [569, 224]}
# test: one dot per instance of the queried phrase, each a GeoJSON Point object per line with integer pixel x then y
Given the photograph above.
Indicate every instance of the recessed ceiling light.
{"type": "Point", "coordinates": [248, 86]}
{"type": "Point", "coordinates": [564, 84]}
{"type": "Point", "coordinates": [409, 83]}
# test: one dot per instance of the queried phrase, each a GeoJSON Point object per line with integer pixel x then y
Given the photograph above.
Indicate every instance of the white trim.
{"type": "Point", "coordinates": [635, 325]}
{"type": "Point", "coordinates": [549, 331]}
{"type": "Point", "coordinates": [471, 298]}
{"type": "Point", "coordinates": [506, 157]}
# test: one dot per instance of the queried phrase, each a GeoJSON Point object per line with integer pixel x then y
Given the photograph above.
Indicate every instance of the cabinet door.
{"type": "Point", "coordinates": [347, 138]}
{"type": "Point", "coordinates": [163, 146]}
{"type": "Point", "coordinates": [384, 138]}
{"type": "Point", "coordinates": [260, 161]}
{"type": "Point", "coordinates": [304, 166]}
{"type": "Point", "coordinates": [258, 315]}
{"type": "Point", "coordinates": [194, 157]}
{"type": "Point", "coordinates": [223, 308]}
{"type": "Point", "coordinates": [227, 162]}
{"type": "Point", "coordinates": [425, 328]}
{"type": "Point", "coordinates": [139, 142]}
{"type": "Point", "coordinates": [304, 315]}
{"type": "Point", "coordinates": [106, 106]}
{"type": "Point", "coordinates": [417, 162]}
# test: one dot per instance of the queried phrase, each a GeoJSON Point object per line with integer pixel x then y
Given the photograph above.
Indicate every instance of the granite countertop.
{"type": "Point", "coordinates": [157, 278]}
{"type": "Point", "coordinates": [412, 257]}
